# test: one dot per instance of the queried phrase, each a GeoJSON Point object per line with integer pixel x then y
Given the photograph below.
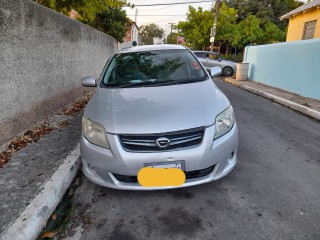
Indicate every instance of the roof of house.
{"type": "Point", "coordinates": [302, 8]}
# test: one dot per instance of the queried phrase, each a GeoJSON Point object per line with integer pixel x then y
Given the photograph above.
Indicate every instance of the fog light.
{"type": "Point", "coordinates": [91, 168]}
{"type": "Point", "coordinates": [231, 155]}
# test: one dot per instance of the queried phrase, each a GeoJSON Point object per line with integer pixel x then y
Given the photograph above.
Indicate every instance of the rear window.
{"type": "Point", "coordinates": [201, 55]}
{"type": "Point", "coordinates": [152, 66]}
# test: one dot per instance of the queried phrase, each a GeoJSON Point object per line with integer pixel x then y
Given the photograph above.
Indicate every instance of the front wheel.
{"type": "Point", "coordinates": [227, 71]}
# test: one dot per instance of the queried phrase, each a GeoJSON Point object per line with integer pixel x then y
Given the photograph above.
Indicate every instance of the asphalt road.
{"type": "Point", "coordinates": [273, 193]}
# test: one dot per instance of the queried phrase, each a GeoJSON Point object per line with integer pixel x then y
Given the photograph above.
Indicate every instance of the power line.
{"type": "Point", "coordinates": [166, 4]}
{"type": "Point", "coordinates": [157, 20]}
{"type": "Point", "coordinates": [157, 9]}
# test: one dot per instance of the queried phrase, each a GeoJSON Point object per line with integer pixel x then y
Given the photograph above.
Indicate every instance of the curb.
{"type": "Point", "coordinates": [33, 219]}
{"type": "Point", "coordinates": [295, 106]}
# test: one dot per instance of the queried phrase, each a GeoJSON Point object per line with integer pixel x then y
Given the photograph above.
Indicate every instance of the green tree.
{"type": "Point", "coordinates": [273, 33]}
{"type": "Point", "coordinates": [91, 8]}
{"type": "Point", "coordinates": [265, 10]}
{"type": "Point", "coordinates": [104, 15]}
{"type": "Point", "coordinates": [173, 39]}
{"type": "Point", "coordinates": [88, 9]}
{"type": "Point", "coordinates": [112, 21]}
{"type": "Point", "coordinates": [62, 6]}
{"type": "Point", "coordinates": [196, 29]}
{"type": "Point", "coordinates": [226, 25]}
{"type": "Point", "coordinates": [248, 31]}
{"type": "Point", "coordinates": [149, 32]}
{"type": "Point", "coordinates": [234, 27]}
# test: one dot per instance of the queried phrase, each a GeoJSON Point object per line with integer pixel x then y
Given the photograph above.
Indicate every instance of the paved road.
{"type": "Point", "coordinates": [273, 193]}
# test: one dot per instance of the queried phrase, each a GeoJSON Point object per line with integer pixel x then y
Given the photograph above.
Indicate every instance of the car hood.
{"type": "Point", "coordinates": [159, 109]}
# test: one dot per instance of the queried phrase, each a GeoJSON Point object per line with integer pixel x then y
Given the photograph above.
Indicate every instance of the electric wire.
{"type": "Point", "coordinates": [166, 4]}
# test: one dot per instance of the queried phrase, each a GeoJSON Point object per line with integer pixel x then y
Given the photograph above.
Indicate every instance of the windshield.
{"type": "Point", "coordinates": [153, 68]}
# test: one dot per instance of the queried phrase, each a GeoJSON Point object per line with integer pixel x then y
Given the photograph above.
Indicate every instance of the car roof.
{"type": "Point", "coordinates": [204, 52]}
{"type": "Point", "coordinates": [144, 48]}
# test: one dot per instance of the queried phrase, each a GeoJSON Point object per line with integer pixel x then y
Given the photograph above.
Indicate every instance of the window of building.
{"type": "Point", "coordinates": [309, 28]}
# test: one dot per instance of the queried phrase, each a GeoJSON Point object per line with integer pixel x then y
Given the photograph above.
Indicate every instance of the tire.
{"type": "Point", "coordinates": [227, 71]}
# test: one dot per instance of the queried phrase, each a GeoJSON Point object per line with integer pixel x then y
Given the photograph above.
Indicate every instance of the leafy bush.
{"type": "Point", "coordinates": [232, 57]}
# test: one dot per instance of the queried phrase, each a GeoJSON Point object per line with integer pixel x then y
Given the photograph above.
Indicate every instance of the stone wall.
{"type": "Point", "coordinates": [43, 56]}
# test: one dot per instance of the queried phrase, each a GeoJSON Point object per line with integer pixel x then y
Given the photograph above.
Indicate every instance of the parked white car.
{"type": "Point", "coordinates": [157, 107]}
{"type": "Point", "coordinates": [211, 59]}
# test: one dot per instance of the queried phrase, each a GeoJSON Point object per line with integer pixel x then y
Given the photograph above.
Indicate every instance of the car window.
{"type": "Point", "coordinates": [152, 66]}
{"type": "Point", "coordinates": [214, 56]}
{"type": "Point", "coordinates": [201, 55]}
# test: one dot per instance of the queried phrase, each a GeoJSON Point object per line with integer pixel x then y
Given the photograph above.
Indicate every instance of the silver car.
{"type": "Point", "coordinates": [211, 59]}
{"type": "Point", "coordinates": [156, 106]}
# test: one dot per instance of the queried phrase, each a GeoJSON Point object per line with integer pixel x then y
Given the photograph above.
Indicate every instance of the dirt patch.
{"type": "Point", "coordinates": [119, 233]}
{"type": "Point", "coordinates": [179, 221]}
{"type": "Point", "coordinates": [181, 194]}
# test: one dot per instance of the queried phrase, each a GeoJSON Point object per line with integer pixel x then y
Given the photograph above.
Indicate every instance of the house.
{"type": "Point", "coordinates": [132, 34]}
{"type": "Point", "coordinates": [304, 22]}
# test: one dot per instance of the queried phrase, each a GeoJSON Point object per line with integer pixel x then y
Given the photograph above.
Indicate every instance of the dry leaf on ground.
{"type": "Point", "coordinates": [50, 234]}
{"type": "Point", "coordinates": [45, 128]}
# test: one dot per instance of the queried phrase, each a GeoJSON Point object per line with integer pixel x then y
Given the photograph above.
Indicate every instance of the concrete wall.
{"type": "Point", "coordinates": [292, 66]}
{"type": "Point", "coordinates": [43, 56]}
{"type": "Point", "coordinates": [296, 25]}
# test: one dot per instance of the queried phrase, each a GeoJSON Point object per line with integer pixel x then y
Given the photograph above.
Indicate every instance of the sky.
{"type": "Point", "coordinates": [163, 15]}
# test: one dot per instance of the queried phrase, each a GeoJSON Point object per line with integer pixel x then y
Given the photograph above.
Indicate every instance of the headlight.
{"type": "Point", "coordinates": [94, 133]}
{"type": "Point", "coordinates": [224, 122]}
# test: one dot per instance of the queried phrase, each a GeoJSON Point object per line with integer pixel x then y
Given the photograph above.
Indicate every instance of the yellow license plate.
{"type": "Point", "coordinates": [161, 177]}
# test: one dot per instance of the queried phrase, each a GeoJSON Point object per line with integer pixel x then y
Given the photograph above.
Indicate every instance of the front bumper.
{"type": "Point", "coordinates": [99, 164]}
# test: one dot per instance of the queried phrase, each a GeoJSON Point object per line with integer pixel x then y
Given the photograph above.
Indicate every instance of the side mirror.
{"type": "Point", "coordinates": [88, 82]}
{"type": "Point", "coordinates": [215, 71]}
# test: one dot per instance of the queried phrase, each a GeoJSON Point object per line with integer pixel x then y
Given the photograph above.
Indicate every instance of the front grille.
{"type": "Point", "coordinates": [189, 175]}
{"type": "Point", "coordinates": [147, 143]}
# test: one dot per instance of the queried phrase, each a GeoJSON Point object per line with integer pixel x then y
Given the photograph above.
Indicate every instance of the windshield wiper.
{"type": "Point", "coordinates": [182, 81]}
{"type": "Point", "coordinates": [146, 83]}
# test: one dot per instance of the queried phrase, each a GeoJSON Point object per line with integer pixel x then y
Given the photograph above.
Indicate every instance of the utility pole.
{"type": "Point", "coordinates": [213, 31]}
{"type": "Point", "coordinates": [136, 16]}
{"type": "Point", "coordinates": [171, 32]}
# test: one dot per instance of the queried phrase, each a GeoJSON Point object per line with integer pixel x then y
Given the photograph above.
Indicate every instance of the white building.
{"type": "Point", "coordinates": [132, 34]}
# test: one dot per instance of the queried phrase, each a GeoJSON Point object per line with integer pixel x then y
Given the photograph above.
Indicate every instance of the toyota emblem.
{"type": "Point", "coordinates": [162, 142]}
